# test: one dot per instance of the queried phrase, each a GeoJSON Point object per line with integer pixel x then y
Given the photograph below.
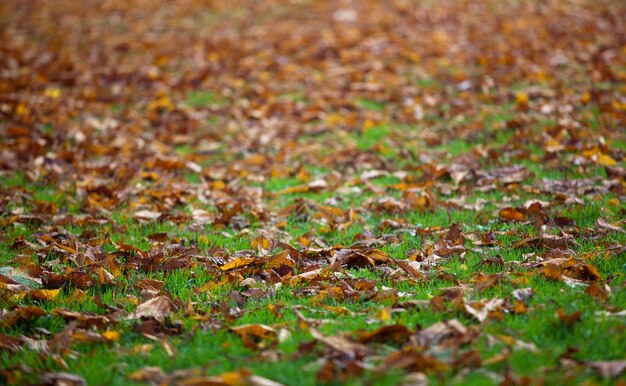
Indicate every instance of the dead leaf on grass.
{"type": "Point", "coordinates": [158, 308]}
{"type": "Point", "coordinates": [255, 336]}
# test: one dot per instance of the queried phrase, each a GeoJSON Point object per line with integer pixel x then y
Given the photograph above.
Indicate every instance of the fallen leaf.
{"type": "Point", "coordinates": [62, 379]}
{"type": "Point", "coordinates": [396, 333]}
{"type": "Point", "coordinates": [10, 343]}
{"type": "Point", "coordinates": [512, 214]}
{"type": "Point", "coordinates": [410, 267]}
{"type": "Point", "coordinates": [112, 336]}
{"type": "Point", "coordinates": [149, 374]}
{"type": "Point", "coordinates": [569, 319]}
{"type": "Point", "coordinates": [608, 369]}
{"type": "Point", "coordinates": [440, 331]}
{"type": "Point", "coordinates": [338, 343]}
{"type": "Point", "coordinates": [157, 308]}
{"type": "Point", "coordinates": [603, 224]}
{"type": "Point", "coordinates": [481, 310]}
{"type": "Point", "coordinates": [255, 335]}
{"type": "Point", "coordinates": [522, 293]}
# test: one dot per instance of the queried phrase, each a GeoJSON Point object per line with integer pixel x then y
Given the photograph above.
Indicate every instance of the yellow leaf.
{"type": "Point", "coordinates": [233, 378]}
{"type": "Point", "coordinates": [260, 242]}
{"type": "Point", "coordinates": [237, 263]}
{"type": "Point", "coordinates": [606, 160]}
{"type": "Point", "coordinates": [213, 57]}
{"type": "Point", "coordinates": [45, 294]}
{"type": "Point", "coordinates": [368, 124]}
{"type": "Point", "coordinates": [142, 349]}
{"type": "Point", "coordinates": [112, 336]}
{"type": "Point", "coordinates": [162, 103]}
{"type": "Point", "coordinates": [585, 97]}
{"type": "Point", "coordinates": [619, 105]}
{"type": "Point", "coordinates": [338, 310]}
{"type": "Point", "coordinates": [334, 119]}
{"type": "Point", "coordinates": [52, 92]}
{"type": "Point", "coordinates": [21, 109]}
{"type": "Point", "coordinates": [219, 185]}
{"type": "Point", "coordinates": [383, 315]}
{"type": "Point", "coordinates": [521, 98]}
{"type": "Point", "coordinates": [259, 330]}
{"type": "Point", "coordinates": [212, 285]}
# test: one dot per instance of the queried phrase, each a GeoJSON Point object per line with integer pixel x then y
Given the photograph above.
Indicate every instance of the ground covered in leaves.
{"type": "Point", "coordinates": [307, 192]}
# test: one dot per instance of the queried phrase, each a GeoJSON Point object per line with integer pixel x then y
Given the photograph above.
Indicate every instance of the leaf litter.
{"type": "Point", "coordinates": [304, 150]}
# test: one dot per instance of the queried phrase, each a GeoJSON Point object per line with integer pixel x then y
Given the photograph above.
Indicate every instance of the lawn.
{"type": "Point", "coordinates": [312, 192]}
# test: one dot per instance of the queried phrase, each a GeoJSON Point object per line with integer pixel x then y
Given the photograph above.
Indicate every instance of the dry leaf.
{"type": "Point", "coordinates": [157, 308]}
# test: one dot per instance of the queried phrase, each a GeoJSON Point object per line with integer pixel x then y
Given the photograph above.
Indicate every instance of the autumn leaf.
{"type": "Point", "coordinates": [559, 268]}
{"type": "Point", "coordinates": [396, 333]}
{"type": "Point", "coordinates": [158, 308]}
{"type": "Point", "coordinates": [63, 379]}
{"type": "Point", "coordinates": [512, 214]}
{"type": "Point", "coordinates": [237, 263]}
{"type": "Point", "coordinates": [22, 313]}
{"type": "Point", "coordinates": [314, 189]}
{"type": "Point", "coordinates": [338, 343]}
{"type": "Point", "coordinates": [608, 369]}
{"type": "Point", "coordinates": [10, 275]}
{"type": "Point", "coordinates": [44, 294]}
{"type": "Point", "coordinates": [255, 335]}
{"type": "Point", "coordinates": [481, 310]}
{"type": "Point", "coordinates": [112, 336]}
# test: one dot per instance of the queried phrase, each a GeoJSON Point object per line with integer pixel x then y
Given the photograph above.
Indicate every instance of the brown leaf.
{"type": "Point", "coordinates": [523, 293]}
{"type": "Point", "coordinates": [21, 313]}
{"type": "Point", "coordinates": [10, 343]}
{"type": "Point", "coordinates": [159, 237]}
{"type": "Point", "coordinates": [153, 375]}
{"type": "Point", "coordinates": [87, 320]}
{"type": "Point", "coordinates": [481, 310]}
{"type": "Point", "coordinates": [603, 224]}
{"type": "Point", "coordinates": [468, 360]}
{"type": "Point", "coordinates": [512, 214]}
{"type": "Point", "coordinates": [150, 284]}
{"type": "Point", "coordinates": [571, 268]}
{"type": "Point", "coordinates": [483, 281]}
{"type": "Point", "coordinates": [62, 379]}
{"type": "Point", "coordinates": [353, 259]}
{"type": "Point", "coordinates": [569, 319]}
{"type": "Point", "coordinates": [254, 336]}
{"type": "Point", "coordinates": [396, 333]}
{"type": "Point", "coordinates": [147, 215]}
{"type": "Point", "coordinates": [85, 336]}
{"type": "Point", "coordinates": [597, 291]}
{"type": "Point", "coordinates": [547, 241]}
{"type": "Point", "coordinates": [157, 308]}
{"type": "Point", "coordinates": [410, 359]}
{"type": "Point", "coordinates": [440, 331]}
{"type": "Point", "coordinates": [455, 235]}
{"type": "Point", "coordinates": [608, 369]}
{"type": "Point", "coordinates": [338, 343]}
{"type": "Point", "coordinates": [409, 268]}
{"type": "Point", "coordinates": [104, 276]}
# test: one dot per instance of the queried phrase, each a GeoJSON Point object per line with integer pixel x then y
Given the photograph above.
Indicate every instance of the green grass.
{"type": "Point", "coordinates": [204, 98]}
{"type": "Point", "coordinates": [204, 349]}
{"type": "Point", "coordinates": [370, 104]}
